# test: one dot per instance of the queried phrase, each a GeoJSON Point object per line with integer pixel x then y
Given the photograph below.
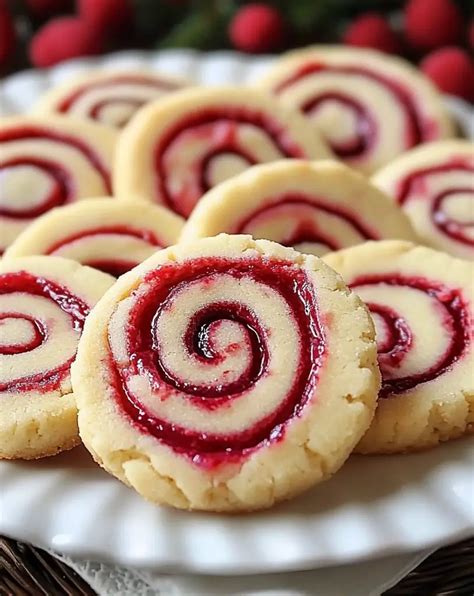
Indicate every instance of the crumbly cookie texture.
{"type": "Point", "coordinates": [434, 185]}
{"type": "Point", "coordinates": [49, 161]}
{"type": "Point", "coordinates": [177, 148]}
{"type": "Point", "coordinates": [369, 107]}
{"type": "Point", "coordinates": [43, 304]}
{"type": "Point", "coordinates": [315, 207]}
{"type": "Point", "coordinates": [421, 301]}
{"type": "Point", "coordinates": [226, 374]}
{"type": "Point", "coordinates": [113, 236]}
{"type": "Point", "coordinates": [108, 97]}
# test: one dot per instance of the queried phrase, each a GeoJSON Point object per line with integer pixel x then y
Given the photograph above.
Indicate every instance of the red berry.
{"type": "Point", "coordinates": [452, 70]}
{"type": "Point", "coordinates": [371, 30]}
{"type": "Point", "coordinates": [432, 23]}
{"type": "Point", "coordinates": [47, 7]}
{"type": "Point", "coordinates": [7, 32]}
{"type": "Point", "coordinates": [106, 15]}
{"type": "Point", "coordinates": [64, 38]}
{"type": "Point", "coordinates": [257, 28]}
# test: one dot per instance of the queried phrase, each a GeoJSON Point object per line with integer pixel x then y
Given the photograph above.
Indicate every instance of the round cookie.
{"type": "Point", "coordinates": [44, 302]}
{"type": "Point", "coordinates": [226, 375]}
{"type": "Point", "coordinates": [434, 185]}
{"type": "Point", "coordinates": [177, 148]}
{"type": "Point", "coordinates": [421, 301]}
{"type": "Point", "coordinates": [315, 207]}
{"type": "Point", "coordinates": [113, 236]}
{"type": "Point", "coordinates": [369, 107]}
{"type": "Point", "coordinates": [47, 162]}
{"type": "Point", "coordinates": [108, 97]}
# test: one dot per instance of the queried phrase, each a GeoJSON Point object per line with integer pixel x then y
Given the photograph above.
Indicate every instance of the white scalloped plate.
{"type": "Point", "coordinates": [372, 507]}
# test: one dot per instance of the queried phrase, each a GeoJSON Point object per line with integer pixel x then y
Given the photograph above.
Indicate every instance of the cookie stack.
{"type": "Point", "coordinates": [224, 292]}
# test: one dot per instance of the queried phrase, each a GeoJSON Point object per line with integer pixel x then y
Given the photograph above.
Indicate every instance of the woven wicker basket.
{"type": "Point", "coordinates": [29, 571]}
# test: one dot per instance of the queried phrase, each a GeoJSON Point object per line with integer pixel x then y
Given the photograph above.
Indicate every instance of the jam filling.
{"type": "Point", "coordinates": [366, 129]}
{"type": "Point", "coordinates": [141, 80]}
{"type": "Point", "coordinates": [95, 110]}
{"type": "Point", "coordinates": [24, 133]}
{"type": "Point", "coordinates": [417, 131]}
{"type": "Point", "coordinates": [77, 310]}
{"type": "Point", "coordinates": [145, 359]}
{"type": "Point", "coordinates": [228, 117]}
{"type": "Point", "coordinates": [304, 231]}
{"type": "Point", "coordinates": [454, 229]}
{"type": "Point", "coordinates": [38, 334]}
{"type": "Point", "coordinates": [62, 190]}
{"type": "Point", "coordinates": [115, 266]}
{"type": "Point", "coordinates": [455, 318]}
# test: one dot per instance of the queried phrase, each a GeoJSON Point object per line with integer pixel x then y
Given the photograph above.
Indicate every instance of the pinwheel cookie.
{"type": "Point", "coordinates": [108, 97]}
{"type": "Point", "coordinates": [368, 106]}
{"type": "Point", "coordinates": [110, 235]}
{"type": "Point", "coordinates": [44, 302]}
{"type": "Point", "coordinates": [313, 206]}
{"type": "Point", "coordinates": [176, 149]}
{"type": "Point", "coordinates": [434, 185]}
{"type": "Point", "coordinates": [47, 162]}
{"type": "Point", "coordinates": [226, 374]}
{"type": "Point", "coordinates": [421, 301]}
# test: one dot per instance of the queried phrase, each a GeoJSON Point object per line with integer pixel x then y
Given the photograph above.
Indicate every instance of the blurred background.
{"type": "Point", "coordinates": [438, 35]}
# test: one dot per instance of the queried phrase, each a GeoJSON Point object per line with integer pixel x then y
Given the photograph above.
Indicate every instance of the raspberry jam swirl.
{"type": "Point", "coordinates": [214, 357]}
{"type": "Point", "coordinates": [309, 224]}
{"type": "Point", "coordinates": [113, 100]}
{"type": "Point", "coordinates": [349, 104]}
{"type": "Point", "coordinates": [40, 325]}
{"type": "Point", "coordinates": [441, 198]}
{"type": "Point", "coordinates": [114, 249]}
{"type": "Point", "coordinates": [423, 328]}
{"type": "Point", "coordinates": [212, 145]}
{"type": "Point", "coordinates": [41, 168]}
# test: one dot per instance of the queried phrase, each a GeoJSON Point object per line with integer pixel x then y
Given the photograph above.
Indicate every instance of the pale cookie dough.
{"type": "Point", "coordinates": [108, 97]}
{"type": "Point", "coordinates": [315, 207]}
{"type": "Point", "coordinates": [226, 375]}
{"type": "Point", "coordinates": [177, 148]}
{"type": "Point", "coordinates": [113, 236]}
{"type": "Point", "coordinates": [47, 162]}
{"type": "Point", "coordinates": [369, 107]}
{"type": "Point", "coordinates": [421, 301]}
{"type": "Point", "coordinates": [43, 305]}
{"type": "Point", "coordinates": [434, 185]}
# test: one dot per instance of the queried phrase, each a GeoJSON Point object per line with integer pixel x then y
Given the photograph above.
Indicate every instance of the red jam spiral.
{"type": "Point", "coordinates": [400, 338]}
{"type": "Point", "coordinates": [37, 317]}
{"type": "Point", "coordinates": [201, 336]}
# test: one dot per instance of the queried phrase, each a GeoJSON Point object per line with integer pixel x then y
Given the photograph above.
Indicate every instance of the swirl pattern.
{"type": "Point", "coordinates": [421, 304]}
{"type": "Point", "coordinates": [215, 358]}
{"type": "Point", "coordinates": [347, 93]}
{"type": "Point", "coordinates": [314, 207]}
{"type": "Point", "coordinates": [182, 146]}
{"type": "Point", "coordinates": [434, 185]}
{"type": "Point", "coordinates": [42, 315]}
{"type": "Point", "coordinates": [110, 98]}
{"type": "Point", "coordinates": [128, 233]}
{"type": "Point", "coordinates": [46, 164]}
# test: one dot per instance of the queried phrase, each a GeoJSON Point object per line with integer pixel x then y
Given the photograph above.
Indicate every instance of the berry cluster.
{"type": "Point", "coordinates": [431, 32]}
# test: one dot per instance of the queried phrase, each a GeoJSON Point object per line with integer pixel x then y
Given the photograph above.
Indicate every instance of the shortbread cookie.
{"type": "Point", "coordinates": [226, 374]}
{"type": "Point", "coordinates": [44, 302]}
{"type": "Point", "coordinates": [315, 207]}
{"type": "Point", "coordinates": [110, 235]}
{"type": "Point", "coordinates": [434, 185]}
{"type": "Point", "coordinates": [176, 149]}
{"type": "Point", "coordinates": [368, 106]}
{"type": "Point", "coordinates": [421, 301]}
{"type": "Point", "coordinates": [109, 97]}
{"type": "Point", "coordinates": [46, 162]}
